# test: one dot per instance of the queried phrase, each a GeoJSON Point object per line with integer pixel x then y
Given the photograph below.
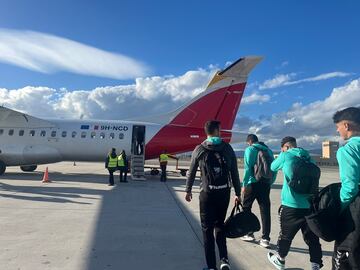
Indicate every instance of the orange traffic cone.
{"type": "Point", "coordinates": [46, 176]}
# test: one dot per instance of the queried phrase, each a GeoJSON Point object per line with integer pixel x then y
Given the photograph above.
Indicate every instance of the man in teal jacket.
{"type": "Point", "coordinates": [294, 207]}
{"type": "Point", "coordinates": [257, 189]}
{"type": "Point", "coordinates": [348, 125]}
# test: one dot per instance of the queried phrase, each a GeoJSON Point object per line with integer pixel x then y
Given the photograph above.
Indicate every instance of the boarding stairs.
{"type": "Point", "coordinates": [137, 167]}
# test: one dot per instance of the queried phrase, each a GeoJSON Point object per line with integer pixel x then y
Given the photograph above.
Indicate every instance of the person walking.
{"type": "Point", "coordinates": [294, 206]}
{"type": "Point", "coordinates": [123, 166]}
{"type": "Point", "coordinates": [218, 166]}
{"type": "Point", "coordinates": [111, 164]}
{"type": "Point", "coordinates": [257, 182]}
{"type": "Point", "coordinates": [347, 245]}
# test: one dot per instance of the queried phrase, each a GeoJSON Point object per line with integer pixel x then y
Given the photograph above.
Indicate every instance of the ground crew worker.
{"type": "Point", "coordinates": [294, 207]}
{"type": "Point", "coordinates": [111, 164]}
{"type": "Point", "coordinates": [163, 159]}
{"type": "Point", "coordinates": [218, 166]}
{"type": "Point", "coordinates": [123, 166]}
{"type": "Point", "coordinates": [258, 189]}
{"type": "Point", "coordinates": [347, 244]}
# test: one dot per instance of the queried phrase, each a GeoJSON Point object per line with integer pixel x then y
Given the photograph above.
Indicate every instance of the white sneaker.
{"type": "Point", "coordinates": [315, 266]}
{"type": "Point", "coordinates": [275, 260]}
{"type": "Point", "coordinates": [264, 243]}
{"type": "Point", "coordinates": [248, 238]}
{"type": "Point", "coordinates": [224, 264]}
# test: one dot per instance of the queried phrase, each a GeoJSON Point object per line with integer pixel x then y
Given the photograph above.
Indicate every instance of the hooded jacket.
{"type": "Point", "coordinates": [230, 158]}
{"type": "Point", "coordinates": [285, 163]}
{"type": "Point", "coordinates": [250, 157]}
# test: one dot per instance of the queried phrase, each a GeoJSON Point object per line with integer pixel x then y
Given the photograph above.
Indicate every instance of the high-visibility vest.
{"type": "Point", "coordinates": [164, 158]}
{"type": "Point", "coordinates": [112, 162]}
{"type": "Point", "coordinates": [121, 161]}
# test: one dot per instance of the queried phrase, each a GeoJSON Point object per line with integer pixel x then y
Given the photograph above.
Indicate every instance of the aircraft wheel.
{"type": "Point", "coordinates": [29, 168]}
{"type": "Point", "coordinates": [154, 172]}
{"type": "Point", "coordinates": [2, 167]}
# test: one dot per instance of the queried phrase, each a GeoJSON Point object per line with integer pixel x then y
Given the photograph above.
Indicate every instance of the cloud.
{"type": "Point", "coordinates": [277, 81]}
{"type": "Point", "coordinates": [49, 54]}
{"type": "Point", "coordinates": [311, 123]}
{"type": "Point", "coordinates": [151, 95]}
{"type": "Point", "coordinates": [286, 79]}
{"type": "Point", "coordinates": [255, 98]}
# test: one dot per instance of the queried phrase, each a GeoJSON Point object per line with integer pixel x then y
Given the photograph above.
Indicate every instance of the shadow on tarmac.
{"type": "Point", "coordinates": [140, 226]}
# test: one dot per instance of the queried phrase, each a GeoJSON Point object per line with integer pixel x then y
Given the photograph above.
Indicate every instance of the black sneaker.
{"type": "Point", "coordinates": [224, 264]}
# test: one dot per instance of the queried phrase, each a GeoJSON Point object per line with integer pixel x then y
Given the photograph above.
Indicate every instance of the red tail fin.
{"type": "Point", "coordinates": [221, 99]}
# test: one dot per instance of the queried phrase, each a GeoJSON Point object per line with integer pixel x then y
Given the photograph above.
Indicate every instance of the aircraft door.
{"type": "Point", "coordinates": [138, 140]}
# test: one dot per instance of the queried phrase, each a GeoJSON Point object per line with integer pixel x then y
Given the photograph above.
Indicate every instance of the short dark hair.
{"type": "Point", "coordinates": [252, 138]}
{"type": "Point", "coordinates": [288, 139]}
{"type": "Point", "coordinates": [351, 114]}
{"type": "Point", "coordinates": [211, 126]}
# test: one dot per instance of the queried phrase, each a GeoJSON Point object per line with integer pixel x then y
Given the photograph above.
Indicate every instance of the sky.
{"type": "Point", "coordinates": [123, 59]}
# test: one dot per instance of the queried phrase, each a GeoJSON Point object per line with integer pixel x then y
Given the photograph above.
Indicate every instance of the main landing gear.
{"type": "Point", "coordinates": [28, 168]}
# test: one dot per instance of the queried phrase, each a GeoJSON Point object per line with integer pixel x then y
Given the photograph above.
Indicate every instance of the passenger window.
{"type": "Point", "coordinates": [43, 133]}
{"type": "Point", "coordinates": [21, 132]}
{"type": "Point", "coordinates": [93, 135]}
{"type": "Point", "coordinates": [121, 136]}
{"type": "Point", "coordinates": [112, 135]}
{"type": "Point", "coordinates": [102, 135]}
{"type": "Point", "coordinates": [53, 133]}
{"type": "Point", "coordinates": [63, 134]}
{"type": "Point", "coordinates": [11, 132]}
{"type": "Point", "coordinates": [1, 131]}
{"type": "Point", "coordinates": [83, 134]}
{"type": "Point", "coordinates": [73, 134]}
{"type": "Point", "coordinates": [32, 133]}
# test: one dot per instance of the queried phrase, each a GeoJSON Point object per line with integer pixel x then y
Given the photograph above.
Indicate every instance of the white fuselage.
{"type": "Point", "coordinates": [68, 140]}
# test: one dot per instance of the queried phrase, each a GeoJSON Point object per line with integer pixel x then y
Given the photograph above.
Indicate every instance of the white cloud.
{"type": "Point", "coordinates": [255, 98]}
{"type": "Point", "coordinates": [311, 123]}
{"type": "Point", "coordinates": [286, 79]}
{"type": "Point", "coordinates": [151, 95]}
{"type": "Point", "coordinates": [277, 81]}
{"type": "Point", "coordinates": [48, 54]}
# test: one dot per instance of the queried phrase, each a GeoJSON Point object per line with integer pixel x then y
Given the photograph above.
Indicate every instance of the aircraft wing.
{"type": "Point", "coordinates": [14, 119]}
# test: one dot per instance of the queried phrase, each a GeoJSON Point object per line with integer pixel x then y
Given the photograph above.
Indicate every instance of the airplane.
{"type": "Point", "coordinates": [28, 141]}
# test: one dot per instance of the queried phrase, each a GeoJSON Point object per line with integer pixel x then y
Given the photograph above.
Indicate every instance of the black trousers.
{"type": "Point", "coordinates": [163, 172]}
{"type": "Point", "coordinates": [213, 208]}
{"type": "Point", "coordinates": [291, 221]}
{"type": "Point", "coordinates": [260, 191]}
{"type": "Point", "coordinates": [111, 176]}
{"type": "Point", "coordinates": [123, 172]}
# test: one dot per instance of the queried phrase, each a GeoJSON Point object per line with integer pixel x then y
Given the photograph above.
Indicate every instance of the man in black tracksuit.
{"type": "Point", "coordinates": [214, 200]}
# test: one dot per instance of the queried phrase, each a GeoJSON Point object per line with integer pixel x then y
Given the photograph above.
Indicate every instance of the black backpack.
{"type": "Point", "coordinates": [306, 177]}
{"type": "Point", "coordinates": [214, 171]}
{"type": "Point", "coordinates": [262, 171]}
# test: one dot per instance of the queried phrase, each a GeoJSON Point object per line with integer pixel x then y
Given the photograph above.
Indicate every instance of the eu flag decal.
{"type": "Point", "coordinates": [85, 127]}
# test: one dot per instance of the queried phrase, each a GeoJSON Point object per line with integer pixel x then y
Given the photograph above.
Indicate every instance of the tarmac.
{"type": "Point", "coordinates": [77, 222]}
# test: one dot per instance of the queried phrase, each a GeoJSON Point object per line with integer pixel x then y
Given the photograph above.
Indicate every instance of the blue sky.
{"type": "Point", "coordinates": [299, 40]}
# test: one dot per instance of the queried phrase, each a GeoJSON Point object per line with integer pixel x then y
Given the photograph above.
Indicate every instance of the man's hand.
{"type": "Point", "coordinates": [237, 200]}
{"type": "Point", "coordinates": [188, 197]}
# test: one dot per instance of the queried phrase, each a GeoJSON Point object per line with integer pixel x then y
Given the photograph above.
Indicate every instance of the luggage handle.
{"type": "Point", "coordinates": [236, 208]}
